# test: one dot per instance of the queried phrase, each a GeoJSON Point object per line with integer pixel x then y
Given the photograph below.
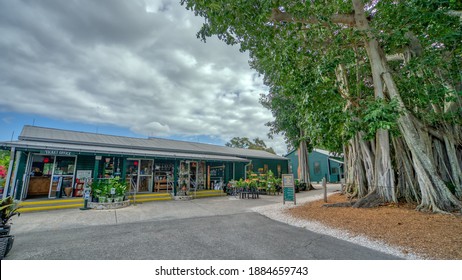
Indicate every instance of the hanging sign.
{"type": "Point", "coordinates": [288, 188]}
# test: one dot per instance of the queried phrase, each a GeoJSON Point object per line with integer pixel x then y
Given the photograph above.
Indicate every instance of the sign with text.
{"type": "Point", "coordinates": [83, 174]}
{"type": "Point", "coordinates": [288, 188]}
{"type": "Point", "coordinates": [57, 153]}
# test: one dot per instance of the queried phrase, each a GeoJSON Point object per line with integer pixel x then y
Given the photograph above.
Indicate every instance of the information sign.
{"type": "Point", "coordinates": [288, 188]}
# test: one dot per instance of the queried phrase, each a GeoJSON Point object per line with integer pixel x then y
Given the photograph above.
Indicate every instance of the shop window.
{"type": "Point", "coordinates": [64, 166]}
{"type": "Point", "coordinates": [317, 167]}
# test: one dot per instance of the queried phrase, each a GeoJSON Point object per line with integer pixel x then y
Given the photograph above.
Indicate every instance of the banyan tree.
{"type": "Point", "coordinates": [380, 81]}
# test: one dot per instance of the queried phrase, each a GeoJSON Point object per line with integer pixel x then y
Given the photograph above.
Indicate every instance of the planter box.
{"type": "Point", "coordinates": [182, 197]}
{"type": "Point", "coordinates": [108, 206]}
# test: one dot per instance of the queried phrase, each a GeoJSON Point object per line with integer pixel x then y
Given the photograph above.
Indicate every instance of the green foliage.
{"type": "Point", "coordinates": [98, 188]}
{"type": "Point", "coordinates": [298, 62]}
{"type": "Point", "coordinates": [8, 209]}
{"type": "Point", "coordinates": [245, 143]}
{"type": "Point", "coordinates": [380, 114]}
{"type": "Point", "coordinates": [5, 158]}
{"type": "Point", "coordinates": [102, 188]}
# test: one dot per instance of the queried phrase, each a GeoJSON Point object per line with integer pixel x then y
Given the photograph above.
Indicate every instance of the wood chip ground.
{"type": "Point", "coordinates": [432, 236]}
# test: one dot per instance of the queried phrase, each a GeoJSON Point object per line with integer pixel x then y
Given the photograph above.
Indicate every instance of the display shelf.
{"type": "Point", "coordinates": [162, 176]}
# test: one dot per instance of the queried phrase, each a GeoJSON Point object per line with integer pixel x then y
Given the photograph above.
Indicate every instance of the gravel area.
{"type": "Point", "coordinates": [279, 212]}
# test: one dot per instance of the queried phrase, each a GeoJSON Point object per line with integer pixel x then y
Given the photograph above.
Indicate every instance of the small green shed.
{"type": "Point", "coordinates": [321, 163]}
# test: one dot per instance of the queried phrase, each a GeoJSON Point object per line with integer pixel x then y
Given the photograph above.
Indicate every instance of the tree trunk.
{"type": "Point", "coordinates": [384, 175]}
{"type": "Point", "coordinates": [456, 174]}
{"type": "Point", "coordinates": [406, 181]}
{"type": "Point", "coordinates": [303, 163]}
{"type": "Point", "coordinates": [362, 170]}
{"type": "Point", "coordinates": [435, 195]}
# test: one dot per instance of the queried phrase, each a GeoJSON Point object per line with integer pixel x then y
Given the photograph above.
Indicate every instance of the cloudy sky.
{"type": "Point", "coordinates": [131, 68]}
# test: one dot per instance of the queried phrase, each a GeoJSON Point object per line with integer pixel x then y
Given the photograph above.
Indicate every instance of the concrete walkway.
{"type": "Point", "coordinates": [149, 211]}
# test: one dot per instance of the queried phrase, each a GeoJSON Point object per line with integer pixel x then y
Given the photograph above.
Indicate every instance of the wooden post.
{"type": "Point", "coordinates": [324, 186]}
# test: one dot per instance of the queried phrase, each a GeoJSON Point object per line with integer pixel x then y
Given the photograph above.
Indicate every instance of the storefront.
{"type": "Point", "coordinates": [54, 163]}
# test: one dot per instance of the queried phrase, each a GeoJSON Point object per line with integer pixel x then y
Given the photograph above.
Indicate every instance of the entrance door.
{"type": "Point", "coordinates": [197, 175]}
{"type": "Point", "coordinates": [217, 175]}
{"type": "Point", "coordinates": [145, 175]}
{"type": "Point", "coordinates": [62, 178]}
{"type": "Point", "coordinates": [27, 177]}
{"type": "Point", "coordinates": [139, 174]}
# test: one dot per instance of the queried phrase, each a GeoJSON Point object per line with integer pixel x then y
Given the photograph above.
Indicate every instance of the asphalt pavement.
{"type": "Point", "coordinates": [209, 228]}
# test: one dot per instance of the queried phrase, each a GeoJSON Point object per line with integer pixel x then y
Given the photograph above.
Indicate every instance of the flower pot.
{"type": "Point", "coordinates": [6, 243]}
{"type": "Point", "coordinates": [10, 245]}
{"type": "Point", "coordinates": [5, 230]}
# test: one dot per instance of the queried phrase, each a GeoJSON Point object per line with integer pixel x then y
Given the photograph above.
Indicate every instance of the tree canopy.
{"type": "Point", "coordinates": [379, 79]}
{"type": "Point", "coordinates": [245, 143]}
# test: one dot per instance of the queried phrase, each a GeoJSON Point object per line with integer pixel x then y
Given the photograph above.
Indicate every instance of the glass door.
{"type": "Point", "coordinates": [131, 177]}
{"type": "Point", "coordinates": [62, 178]}
{"type": "Point", "coordinates": [140, 174]}
{"type": "Point", "coordinates": [145, 175]}
{"type": "Point", "coordinates": [184, 178]}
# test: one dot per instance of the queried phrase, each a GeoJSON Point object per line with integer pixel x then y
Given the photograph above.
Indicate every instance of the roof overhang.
{"type": "Point", "coordinates": [96, 150]}
{"type": "Point", "coordinates": [336, 160]}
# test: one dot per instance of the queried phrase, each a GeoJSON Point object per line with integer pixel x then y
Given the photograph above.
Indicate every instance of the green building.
{"type": "Point", "coordinates": [321, 163]}
{"type": "Point", "coordinates": [53, 163]}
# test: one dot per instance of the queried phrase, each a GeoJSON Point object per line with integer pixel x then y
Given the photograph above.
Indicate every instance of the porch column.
{"type": "Point", "coordinates": [96, 167]}
{"type": "Point", "coordinates": [9, 173]}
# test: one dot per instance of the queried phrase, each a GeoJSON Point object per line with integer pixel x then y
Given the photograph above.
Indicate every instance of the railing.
{"type": "Point", "coordinates": [134, 187]}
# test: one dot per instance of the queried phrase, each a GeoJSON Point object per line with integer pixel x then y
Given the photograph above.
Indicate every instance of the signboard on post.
{"type": "Point", "coordinates": [85, 177]}
{"type": "Point", "coordinates": [288, 188]}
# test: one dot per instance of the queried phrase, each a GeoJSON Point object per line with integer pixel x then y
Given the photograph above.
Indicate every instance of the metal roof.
{"type": "Point", "coordinates": [50, 136]}
{"type": "Point", "coordinates": [76, 148]}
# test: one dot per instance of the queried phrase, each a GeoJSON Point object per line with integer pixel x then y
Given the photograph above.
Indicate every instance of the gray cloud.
{"type": "Point", "coordinates": [134, 64]}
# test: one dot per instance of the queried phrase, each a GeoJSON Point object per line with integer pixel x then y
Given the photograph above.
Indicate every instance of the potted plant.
{"type": "Point", "coordinates": [109, 186]}
{"type": "Point", "coordinates": [98, 191]}
{"type": "Point", "coordinates": [120, 189]}
{"type": "Point", "coordinates": [102, 193]}
{"type": "Point", "coordinates": [8, 209]}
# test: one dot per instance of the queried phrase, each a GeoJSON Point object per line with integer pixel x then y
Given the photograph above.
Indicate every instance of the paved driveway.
{"type": "Point", "coordinates": [210, 228]}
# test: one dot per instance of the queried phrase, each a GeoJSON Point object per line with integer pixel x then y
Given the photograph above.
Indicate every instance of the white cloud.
{"type": "Point", "coordinates": [132, 64]}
